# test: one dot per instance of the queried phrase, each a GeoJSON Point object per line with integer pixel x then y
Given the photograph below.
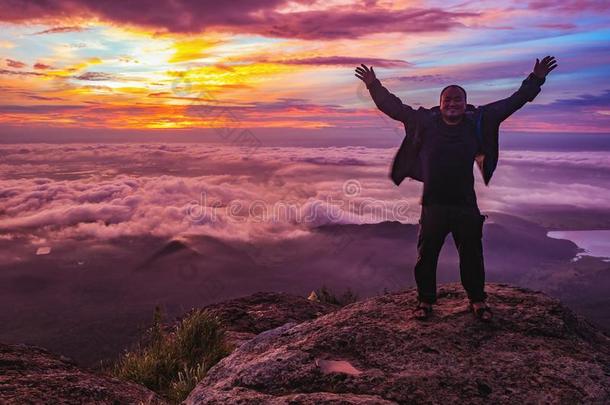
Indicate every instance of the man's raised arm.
{"type": "Point", "coordinates": [530, 87]}
{"type": "Point", "coordinates": [387, 102]}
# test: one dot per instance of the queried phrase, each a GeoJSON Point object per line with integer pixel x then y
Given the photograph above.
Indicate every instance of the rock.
{"type": "Point", "coordinates": [32, 375]}
{"type": "Point", "coordinates": [374, 352]}
{"type": "Point", "coordinates": [313, 296]}
{"type": "Point", "coordinates": [245, 317]}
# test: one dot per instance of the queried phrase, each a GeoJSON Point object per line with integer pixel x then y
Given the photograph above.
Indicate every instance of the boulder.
{"type": "Point", "coordinates": [32, 375]}
{"type": "Point", "coordinates": [373, 352]}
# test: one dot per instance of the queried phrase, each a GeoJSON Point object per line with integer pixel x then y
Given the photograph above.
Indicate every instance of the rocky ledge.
{"type": "Point", "coordinates": [32, 375]}
{"type": "Point", "coordinates": [245, 317]}
{"type": "Point", "coordinates": [374, 352]}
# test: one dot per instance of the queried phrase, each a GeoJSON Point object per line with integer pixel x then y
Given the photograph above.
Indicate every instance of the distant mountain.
{"type": "Point", "coordinates": [196, 251]}
{"type": "Point", "coordinates": [172, 248]}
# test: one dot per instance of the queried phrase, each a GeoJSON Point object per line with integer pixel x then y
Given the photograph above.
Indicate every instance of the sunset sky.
{"type": "Point", "coordinates": [178, 152]}
{"type": "Point", "coordinates": [290, 64]}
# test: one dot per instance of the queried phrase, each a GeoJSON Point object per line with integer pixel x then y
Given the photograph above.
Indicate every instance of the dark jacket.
{"type": "Point", "coordinates": [486, 119]}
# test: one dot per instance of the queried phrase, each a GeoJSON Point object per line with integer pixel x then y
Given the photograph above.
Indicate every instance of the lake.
{"type": "Point", "coordinates": [594, 242]}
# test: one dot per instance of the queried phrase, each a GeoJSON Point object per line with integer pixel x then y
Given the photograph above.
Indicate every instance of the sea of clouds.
{"type": "Point", "coordinates": [170, 190]}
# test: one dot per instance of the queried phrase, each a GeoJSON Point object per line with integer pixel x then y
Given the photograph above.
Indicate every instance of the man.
{"type": "Point", "coordinates": [439, 149]}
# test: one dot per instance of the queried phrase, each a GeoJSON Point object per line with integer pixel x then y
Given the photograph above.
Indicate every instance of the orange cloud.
{"type": "Point", "coordinates": [192, 49]}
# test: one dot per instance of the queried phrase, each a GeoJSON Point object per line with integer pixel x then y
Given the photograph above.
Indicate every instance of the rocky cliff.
{"type": "Point", "coordinates": [32, 375]}
{"type": "Point", "coordinates": [373, 352]}
{"type": "Point", "coordinates": [294, 351]}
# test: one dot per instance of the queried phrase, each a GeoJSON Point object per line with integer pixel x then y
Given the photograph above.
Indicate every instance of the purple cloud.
{"type": "Point", "coordinates": [15, 64]}
{"type": "Point", "coordinates": [340, 61]}
{"type": "Point", "coordinates": [96, 76]}
{"type": "Point", "coordinates": [15, 73]}
{"type": "Point", "coordinates": [114, 190]}
{"type": "Point", "coordinates": [570, 6]}
{"type": "Point", "coordinates": [586, 100]}
{"type": "Point", "coordinates": [60, 30]}
{"type": "Point", "coordinates": [254, 17]}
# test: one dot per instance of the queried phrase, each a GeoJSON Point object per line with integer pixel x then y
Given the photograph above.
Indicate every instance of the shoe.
{"type": "Point", "coordinates": [483, 313]}
{"type": "Point", "coordinates": [422, 311]}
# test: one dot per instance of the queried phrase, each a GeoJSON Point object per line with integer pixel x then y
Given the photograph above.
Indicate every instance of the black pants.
{"type": "Point", "coordinates": [466, 225]}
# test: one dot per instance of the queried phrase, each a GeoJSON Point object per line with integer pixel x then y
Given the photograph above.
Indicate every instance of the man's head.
{"type": "Point", "coordinates": [453, 103]}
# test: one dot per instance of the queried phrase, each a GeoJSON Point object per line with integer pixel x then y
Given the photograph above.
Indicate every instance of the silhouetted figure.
{"type": "Point", "coordinates": [439, 149]}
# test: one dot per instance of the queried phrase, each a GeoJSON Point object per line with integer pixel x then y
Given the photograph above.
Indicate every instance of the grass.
{"type": "Point", "coordinates": [326, 295]}
{"type": "Point", "coordinates": [172, 363]}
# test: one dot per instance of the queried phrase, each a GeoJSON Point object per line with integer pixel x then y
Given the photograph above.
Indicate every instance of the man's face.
{"type": "Point", "coordinates": [453, 104]}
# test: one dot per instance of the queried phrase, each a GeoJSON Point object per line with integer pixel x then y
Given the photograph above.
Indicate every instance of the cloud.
{"type": "Point", "coordinates": [340, 61]}
{"type": "Point", "coordinates": [434, 78]}
{"type": "Point", "coordinates": [558, 26]}
{"type": "Point", "coordinates": [71, 215]}
{"type": "Point", "coordinates": [570, 6]}
{"type": "Point", "coordinates": [60, 30]}
{"type": "Point", "coordinates": [585, 113]}
{"type": "Point", "coordinates": [481, 71]}
{"type": "Point", "coordinates": [41, 66]}
{"type": "Point", "coordinates": [15, 64]}
{"type": "Point", "coordinates": [96, 76]}
{"type": "Point", "coordinates": [194, 112]}
{"type": "Point", "coordinates": [14, 73]}
{"type": "Point", "coordinates": [42, 98]}
{"type": "Point", "coordinates": [487, 72]}
{"type": "Point", "coordinates": [102, 201]}
{"type": "Point", "coordinates": [267, 18]}
{"type": "Point", "coordinates": [38, 109]}
{"type": "Point", "coordinates": [594, 160]}
{"type": "Point", "coordinates": [192, 49]}
{"type": "Point", "coordinates": [113, 190]}
{"type": "Point", "coordinates": [585, 100]}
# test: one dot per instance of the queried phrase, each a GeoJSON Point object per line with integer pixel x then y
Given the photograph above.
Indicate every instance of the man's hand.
{"type": "Point", "coordinates": [543, 68]}
{"type": "Point", "coordinates": [365, 74]}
